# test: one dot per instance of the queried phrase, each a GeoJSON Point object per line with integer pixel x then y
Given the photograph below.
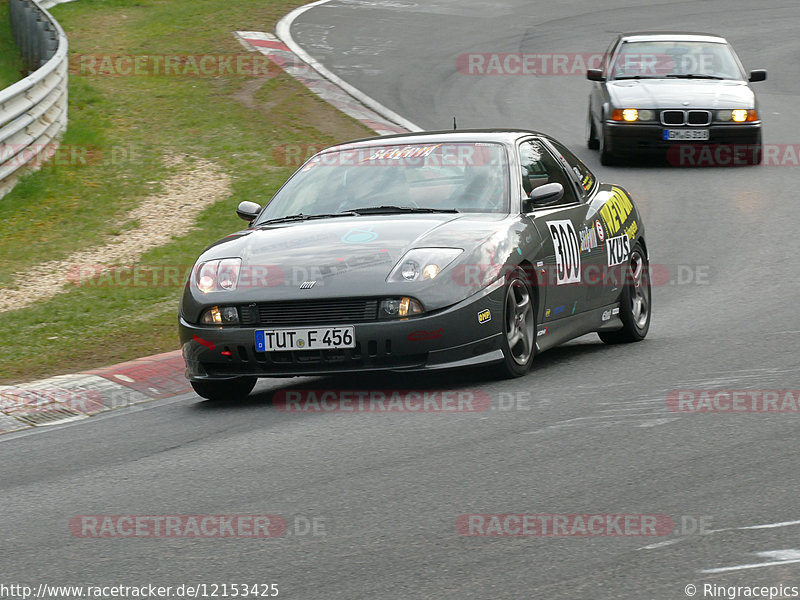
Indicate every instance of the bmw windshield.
{"type": "Point", "coordinates": [675, 59]}
{"type": "Point", "coordinates": [404, 178]}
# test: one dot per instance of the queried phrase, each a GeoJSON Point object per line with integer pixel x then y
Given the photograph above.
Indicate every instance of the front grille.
{"type": "Point", "coordinates": [698, 117]}
{"type": "Point", "coordinates": [673, 117]}
{"type": "Point", "coordinates": [309, 312]}
{"type": "Point", "coordinates": [686, 117]}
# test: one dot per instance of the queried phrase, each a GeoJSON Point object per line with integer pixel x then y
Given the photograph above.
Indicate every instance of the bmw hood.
{"type": "Point", "coordinates": [347, 256]}
{"type": "Point", "coordinates": [675, 93]}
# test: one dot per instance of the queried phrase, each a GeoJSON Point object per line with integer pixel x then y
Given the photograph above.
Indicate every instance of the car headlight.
{"type": "Point", "coordinates": [217, 275]}
{"type": "Point", "coordinates": [399, 308]}
{"type": "Point", "coordinates": [630, 115]}
{"type": "Point", "coordinates": [738, 115]}
{"type": "Point", "coordinates": [220, 315]}
{"type": "Point", "coordinates": [422, 263]}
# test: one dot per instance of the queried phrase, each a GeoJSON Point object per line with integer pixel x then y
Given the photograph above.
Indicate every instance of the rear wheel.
{"type": "Point", "coordinates": [224, 389]}
{"type": "Point", "coordinates": [634, 309]}
{"type": "Point", "coordinates": [519, 326]}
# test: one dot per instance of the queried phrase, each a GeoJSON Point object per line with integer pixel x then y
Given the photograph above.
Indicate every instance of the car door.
{"type": "Point", "coordinates": [592, 234]}
{"type": "Point", "coordinates": [563, 292]}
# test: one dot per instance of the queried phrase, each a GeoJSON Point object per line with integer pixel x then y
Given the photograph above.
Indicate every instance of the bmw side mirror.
{"type": "Point", "coordinates": [758, 75]}
{"type": "Point", "coordinates": [595, 75]}
{"type": "Point", "coordinates": [248, 210]}
{"type": "Point", "coordinates": [544, 195]}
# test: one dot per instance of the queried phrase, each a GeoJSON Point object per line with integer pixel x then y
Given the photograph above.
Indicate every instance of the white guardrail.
{"type": "Point", "coordinates": [33, 111]}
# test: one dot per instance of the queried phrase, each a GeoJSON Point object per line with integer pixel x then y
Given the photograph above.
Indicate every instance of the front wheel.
{"type": "Point", "coordinates": [519, 327]}
{"type": "Point", "coordinates": [591, 135]}
{"type": "Point", "coordinates": [224, 389]}
{"type": "Point", "coordinates": [607, 158]}
{"type": "Point", "coordinates": [635, 303]}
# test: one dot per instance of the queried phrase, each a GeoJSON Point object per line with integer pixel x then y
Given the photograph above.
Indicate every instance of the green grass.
{"type": "Point", "coordinates": [67, 206]}
{"type": "Point", "coordinates": [11, 68]}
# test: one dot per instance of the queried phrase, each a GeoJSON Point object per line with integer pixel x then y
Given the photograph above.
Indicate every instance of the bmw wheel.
{"type": "Point", "coordinates": [591, 135]}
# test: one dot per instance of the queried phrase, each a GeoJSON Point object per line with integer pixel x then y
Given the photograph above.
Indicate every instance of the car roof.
{"type": "Point", "coordinates": [672, 36]}
{"type": "Point", "coordinates": [504, 136]}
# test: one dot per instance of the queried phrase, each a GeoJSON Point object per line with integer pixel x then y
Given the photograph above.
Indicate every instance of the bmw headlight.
{"type": "Point", "coordinates": [217, 275]}
{"type": "Point", "coordinates": [630, 115]}
{"type": "Point", "coordinates": [737, 115]}
{"type": "Point", "coordinates": [423, 263]}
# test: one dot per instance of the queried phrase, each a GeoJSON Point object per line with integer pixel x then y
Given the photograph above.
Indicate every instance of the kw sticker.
{"type": "Point", "coordinates": [567, 251]}
{"type": "Point", "coordinates": [618, 249]}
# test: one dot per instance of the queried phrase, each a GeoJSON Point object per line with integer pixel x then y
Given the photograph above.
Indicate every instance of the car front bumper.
{"type": "Point", "coordinates": [448, 338]}
{"type": "Point", "coordinates": [636, 139]}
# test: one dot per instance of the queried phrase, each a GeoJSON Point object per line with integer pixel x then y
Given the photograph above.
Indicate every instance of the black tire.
{"type": "Point", "coordinates": [635, 305]}
{"type": "Point", "coordinates": [224, 389]}
{"type": "Point", "coordinates": [519, 326]}
{"type": "Point", "coordinates": [756, 152]}
{"type": "Point", "coordinates": [607, 158]}
{"type": "Point", "coordinates": [591, 135]}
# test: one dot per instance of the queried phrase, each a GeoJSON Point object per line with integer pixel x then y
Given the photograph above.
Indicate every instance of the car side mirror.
{"type": "Point", "coordinates": [248, 210]}
{"type": "Point", "coordinates": [544, 195]}
{"type": "Point", "coordinates": [595, 75]}
{"type": "Point", "coordinates": [758, 75]}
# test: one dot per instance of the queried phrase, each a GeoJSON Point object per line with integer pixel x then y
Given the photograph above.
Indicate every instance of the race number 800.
{"type": "Point", "coordinates": [567, 251]}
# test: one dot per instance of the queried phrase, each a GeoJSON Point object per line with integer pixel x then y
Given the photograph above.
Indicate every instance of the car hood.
{"type": "Point", "coordinates": [348, 256]}
{"type": "Point", "coordinates": [674, 93]}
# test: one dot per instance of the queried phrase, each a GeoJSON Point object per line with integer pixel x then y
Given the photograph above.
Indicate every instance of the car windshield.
{"type": "Point", "coordinates": [397, 178]}
{"type": "Point", "coordinates": [675, 59]}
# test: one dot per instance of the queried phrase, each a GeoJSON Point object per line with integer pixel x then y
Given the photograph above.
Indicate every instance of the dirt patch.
{"type": "Point", "coordinates": [197, 185]}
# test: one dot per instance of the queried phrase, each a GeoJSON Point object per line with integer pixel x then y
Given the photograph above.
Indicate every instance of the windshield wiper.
{"type": "Point", "coordinates": [693, 76]}
{"type": "Point", "coordinates": [388, 209]}
{"type": "Point", "coordinates": [302, 217]}
{"type": "Point", "coordinates": [634, 77]}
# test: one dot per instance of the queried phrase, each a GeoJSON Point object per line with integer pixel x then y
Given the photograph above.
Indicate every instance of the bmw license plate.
{"type": "Point", "coordinates": [686, 134]}
{"type": "Point", "coordinates": [316, 338]}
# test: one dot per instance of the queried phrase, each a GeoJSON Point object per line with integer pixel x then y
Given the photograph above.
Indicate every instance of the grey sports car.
{"type": "Point", "coordinates": [416, 252]}
{"type": "Point", "coordinates": [680, 94]}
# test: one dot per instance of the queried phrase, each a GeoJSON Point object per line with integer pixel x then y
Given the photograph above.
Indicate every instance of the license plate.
{"type": "Point", "coordinates": [316, 338]}
{"type": "Point", "coordinates": [686, 134]}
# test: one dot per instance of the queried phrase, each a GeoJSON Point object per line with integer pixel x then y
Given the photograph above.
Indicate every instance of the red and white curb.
{"type": "Point", "coordinates": [67, 398]}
